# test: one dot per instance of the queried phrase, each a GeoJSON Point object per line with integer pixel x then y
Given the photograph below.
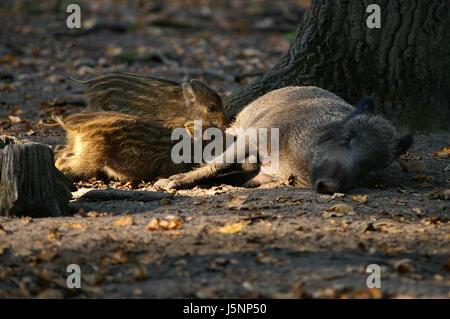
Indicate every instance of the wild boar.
{"type": "Point", "coordinates": [159, 100]}
{"type": "Point", "coordinates": [113, 145]}
{"type": "Point", "coordinates": [324, 142]}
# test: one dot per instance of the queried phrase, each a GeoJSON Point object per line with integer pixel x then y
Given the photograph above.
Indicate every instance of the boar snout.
{"type": "Point", "coordinates": [326, 186]}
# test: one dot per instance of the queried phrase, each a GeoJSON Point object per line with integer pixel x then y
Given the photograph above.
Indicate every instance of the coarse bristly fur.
{"type": "Point", "coordinates": [134, 143]}
{"type": "Point", "coordinates": [118, 146]}
{"type": "Point", "coordinates": [115, 145]}
{"type": "Point", "coordinates": [325, 143]}
{"type": "Point", "coordinates": [160, 100]}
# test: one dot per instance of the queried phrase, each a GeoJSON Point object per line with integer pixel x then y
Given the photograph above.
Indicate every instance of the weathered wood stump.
{"type": "Point", "coordinates": [30, 184]}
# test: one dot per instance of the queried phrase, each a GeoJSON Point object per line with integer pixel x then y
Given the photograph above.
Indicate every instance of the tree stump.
{"type": "Point", "coordinates": [30, 184]}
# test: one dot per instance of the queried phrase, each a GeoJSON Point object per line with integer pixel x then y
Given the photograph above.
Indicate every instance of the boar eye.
{"type": "Point", "coordinates": [211, 108]}
{"type": "Point", "coordinates": [348, 137]}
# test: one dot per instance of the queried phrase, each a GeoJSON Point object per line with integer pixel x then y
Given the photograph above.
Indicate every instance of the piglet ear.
{"type": "Point", "coordinates": [403, 144]}
{"type": "Point", "coordinates": [366, 105]}
{"type": "Point", "coordinates": [188, 93]}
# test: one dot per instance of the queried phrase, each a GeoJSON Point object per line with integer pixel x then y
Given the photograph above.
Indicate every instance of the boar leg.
{"type": "Point", "coordinates": [259, 180]}
{"type": "Point", "coordinates": [197, 176]}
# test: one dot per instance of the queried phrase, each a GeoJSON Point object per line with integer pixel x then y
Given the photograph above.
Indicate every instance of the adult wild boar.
{"type": "Point", "coordinates": [324, 142]}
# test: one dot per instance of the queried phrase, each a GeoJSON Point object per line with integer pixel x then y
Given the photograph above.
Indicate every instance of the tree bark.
{"type": "Point", "coordinates": [404, 65]}
{"type": "Point", "coordinates": [30, 184]}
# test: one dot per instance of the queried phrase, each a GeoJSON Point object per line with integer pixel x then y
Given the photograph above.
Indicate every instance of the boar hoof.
{"type": "Point", "coordinates": [161, 184]}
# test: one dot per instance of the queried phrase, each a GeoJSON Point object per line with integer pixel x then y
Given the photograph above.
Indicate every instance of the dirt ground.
{"type": "Point", "coordinates": [208, 242]}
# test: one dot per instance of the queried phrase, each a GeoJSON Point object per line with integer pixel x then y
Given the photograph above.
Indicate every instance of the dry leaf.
{"type": "Point", "coordinates": [124, 221]}
{"type": "Point", "coordinates": [112, 50]}
{"type": "Point", "coordinates": [440, 194]}
{"type": "Point", "coordinates": [338, 195]}
{"type": "Point", "coordinates": [74, 225]}
{"type": "Point", "coordinates": [15, 111]}
{"type": "Point", "coordinates": [360, 198]}
{"type": "Point", "coordinates": [444, 153]}
{"type": "Point", "coordinates": [14, 119]}
{"type": "Point", "coordinates": [54, 234]}
{"type": "Point", "coordinates": [231, 228]}
{"type": "Point", "coordinates": [157, 224]}
{"type": "Point", "coordinates": [236, 202]}
{"type": "Point", "coordinates": [339, 210]}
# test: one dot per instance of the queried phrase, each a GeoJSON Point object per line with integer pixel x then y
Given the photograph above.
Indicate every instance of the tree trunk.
{"type": "Point", "coordinates": [30, 184]}
{"type": "Point", "coordinates": [404, 64]}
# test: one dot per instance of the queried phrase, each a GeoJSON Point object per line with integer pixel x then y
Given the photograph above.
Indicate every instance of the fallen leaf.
{"type": "Point", "coordinates": [338, 195]}
{"type": "Point", "coordinates": [118, 257]}
{"type": "Point", "coordinates": [236, 202]}
{"type": "Point", "coordinates": [113, 50]}
{"type": "Point", "coordinates": [15, 111]}
{"type": "Point", "coordinates": [14, 119]}
{"type": "Point", "coordinates": [444, 153]}
{"type": "Point", "coordinates": [54, 234]}
{"type": "Point", "coordinates": [266, 258]}
{"type": "Point", "coordinates": [8, 58]}
{"type": "Point", "coordinates": [157, 224]}
{"type": "Point", "coordinates": [339, 210]}
{"type": "Point", "coordinates": [440, 194]}
{"type": "Point", "coordinates": [74, 225]}
{"type": "Point", "coordinates": [417, 211]}
{"type": "Point", "coordinates": [360, 198]}
{"type": "Point", "coordinates": [231, 228]}
{"type": "Point", "coordinates": [124, 221]}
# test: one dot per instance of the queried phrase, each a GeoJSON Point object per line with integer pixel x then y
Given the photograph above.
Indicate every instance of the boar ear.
{"type": "Point", "coordinates": [403, 144]}
{"type": "Point", "coordinates": [188, 93]}
{"type": "Point", "coordinates": [366, 105]}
